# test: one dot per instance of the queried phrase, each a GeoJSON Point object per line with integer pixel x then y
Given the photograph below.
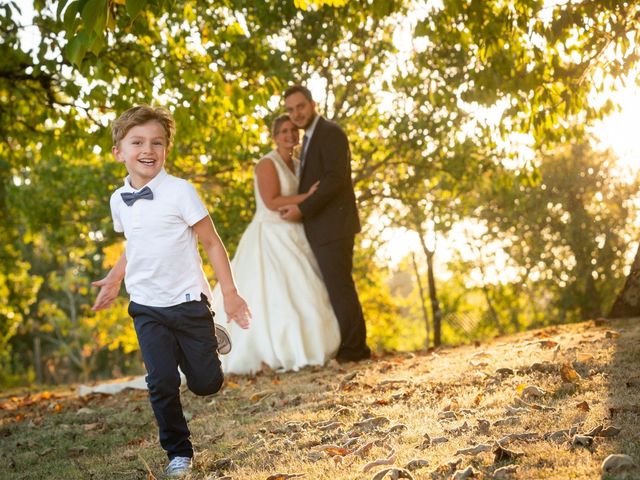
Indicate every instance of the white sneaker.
{"type": "Point", "coordinates": [178, 467]}
{"type": "Point", "coordinates": [224, 340]}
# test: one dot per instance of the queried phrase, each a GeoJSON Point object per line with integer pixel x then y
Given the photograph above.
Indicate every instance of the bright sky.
{"type": "Point", "coordinates": [620, 131]}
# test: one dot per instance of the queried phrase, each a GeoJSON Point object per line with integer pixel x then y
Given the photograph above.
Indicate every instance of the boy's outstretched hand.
{"type": "Point", "coordinates": [110, 285]}
{"type": "Point", "coordinates": [109, 290]}
{"type": "Point", "coordinates": [237, 310]}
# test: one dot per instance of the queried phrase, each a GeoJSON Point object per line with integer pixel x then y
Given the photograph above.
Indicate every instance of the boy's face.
{"type": "Point", "coordinates": [143, 150]}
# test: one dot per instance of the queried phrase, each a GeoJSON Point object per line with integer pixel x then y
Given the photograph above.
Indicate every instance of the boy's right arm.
{"type": "Point", "coordinates": [110, 285]}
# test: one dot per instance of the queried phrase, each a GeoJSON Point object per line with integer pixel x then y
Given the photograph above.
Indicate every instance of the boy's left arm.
{"type": "Point", "coordinates": [110, 285]}
{"type": "Point", "coordinates": [234, 305]}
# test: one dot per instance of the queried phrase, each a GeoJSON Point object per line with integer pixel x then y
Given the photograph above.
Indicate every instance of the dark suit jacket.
{"type": "Point", "coordinates": [331, 212]}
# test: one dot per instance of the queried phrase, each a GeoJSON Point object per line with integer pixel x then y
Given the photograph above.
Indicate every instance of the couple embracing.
{"type": "Point", "coordinates": [294, 261]}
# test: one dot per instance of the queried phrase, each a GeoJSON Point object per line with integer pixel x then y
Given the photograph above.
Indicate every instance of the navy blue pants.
{"type": "Point", "coordinates": [182, 335]}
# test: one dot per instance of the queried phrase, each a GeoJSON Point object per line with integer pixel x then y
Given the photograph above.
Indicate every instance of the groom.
{"type": "Point", "coordinates": [330, 215]}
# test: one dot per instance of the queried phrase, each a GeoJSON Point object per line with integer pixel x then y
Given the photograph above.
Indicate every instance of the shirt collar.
{"type": "Point", "coordinates": [152, 184]}
{"type": "Point", "coordinates": [309, 131]}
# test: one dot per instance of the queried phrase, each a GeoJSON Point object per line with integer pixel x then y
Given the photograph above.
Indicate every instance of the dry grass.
{"type": "Point", "coordinates": [331, 423]}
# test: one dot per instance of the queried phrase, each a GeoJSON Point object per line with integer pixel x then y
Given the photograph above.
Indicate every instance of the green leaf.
{"type": "Point", "coordinates": [383, 7]}
{"type": "Point", "coordinates": [61, 5]}
{"type": "Point", "coordinates": [94, 14]}
{"type": "Point", "coordinates": [77, 48]}
{"type": "Point", "coordinates": [98, 43]}
{"type": "Point", "coordinates": [70, 16]}
{"type": "Point", "coordinates": [422, 28]}
{"type": "Point", "coordinates": [135, 6]}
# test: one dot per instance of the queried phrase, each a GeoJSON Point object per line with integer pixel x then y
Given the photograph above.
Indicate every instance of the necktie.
{"type": "Point", "coordinates": [303, 154]}
{"type": "Point", "coordinates": [131, 198]}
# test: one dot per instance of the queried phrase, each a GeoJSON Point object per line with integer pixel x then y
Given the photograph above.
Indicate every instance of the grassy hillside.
{"type": "Point", "coordinates": [552, 403]}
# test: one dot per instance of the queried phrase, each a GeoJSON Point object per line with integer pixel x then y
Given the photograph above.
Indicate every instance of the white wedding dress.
{"type": "Point", "coordinates": [277, 274]}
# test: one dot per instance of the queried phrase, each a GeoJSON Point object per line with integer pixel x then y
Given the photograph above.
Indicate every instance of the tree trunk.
{"type": "Point", "coordinates": [37, 359]}
{"type": "Point", "coordinates": [628, 302]}
{"type": "Point", "coordinates": [435, 305]}
{"type": "Point", "coordinates": [422, 300]}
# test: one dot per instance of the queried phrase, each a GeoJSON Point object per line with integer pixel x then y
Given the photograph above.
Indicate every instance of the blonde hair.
{"type": "Point", "coordinates": [142, 114]}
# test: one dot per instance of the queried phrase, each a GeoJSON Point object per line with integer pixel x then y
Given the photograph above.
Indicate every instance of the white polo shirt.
{"type": "Point", "coordinates": [164, 267]}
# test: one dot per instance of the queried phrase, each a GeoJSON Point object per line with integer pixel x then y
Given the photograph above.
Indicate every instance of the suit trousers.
{"type": "Point", "coordinates": [182, 335]}
{"type": "Point", "coordinates": [335, 260]}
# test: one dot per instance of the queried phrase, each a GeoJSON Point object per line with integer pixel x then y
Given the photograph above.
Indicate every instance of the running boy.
{"type": "Point", "coordinates": [162, 219]}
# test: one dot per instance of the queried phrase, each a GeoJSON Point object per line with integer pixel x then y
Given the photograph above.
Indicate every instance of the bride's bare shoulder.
{"type": "Point", "coordinates": [265, 164]}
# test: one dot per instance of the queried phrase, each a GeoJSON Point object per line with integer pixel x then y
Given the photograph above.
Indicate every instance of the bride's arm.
{"type": "Point", "coordinates": [269, 187]}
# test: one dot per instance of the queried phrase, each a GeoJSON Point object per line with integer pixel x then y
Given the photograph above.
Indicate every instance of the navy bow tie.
{"type": "Point", "coordinates": [130, 198]}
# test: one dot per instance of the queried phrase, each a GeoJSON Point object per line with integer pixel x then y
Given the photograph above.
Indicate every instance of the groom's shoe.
{"type": "Point", "coordinates": [224, 340]}
{"type": "Point", "coordinates": [344, 357]}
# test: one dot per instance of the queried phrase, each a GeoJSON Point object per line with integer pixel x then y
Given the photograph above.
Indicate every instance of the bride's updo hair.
{"type": "Point", "coordinates": [277, 123]}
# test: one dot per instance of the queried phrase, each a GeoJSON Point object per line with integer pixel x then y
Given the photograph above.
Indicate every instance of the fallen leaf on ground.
{"type": "Point", "coordinates": [371, 423]}
{"type": "Point", "coordinates": [453, 405]}
{"type": "Point", "coordinates": [284, 476]}
{"type": "Point", "coordinates": [558, 436]}
{"type": "Point", "coordinates": [437, 440]}
{"type": "Point", "coordinates": [568, 373]}
{"type": "Point", "coordinates": [393, 474]}
{"type": "Point", "coordinates": [581, 441]}
{"type": "Point", "coordinates": [617, 461]}
{"type": "Point", "coordinates": [483, 426]}
{"type": "Point", "coordinates": [398, 427]}
{"type": "Point", "coordinates": [392, 382]}
{"type": "Point", "coordinates": [506, 421]}
{"type": "Point", "coordinates": [347, 379]}
{"type": "Point", "coordinates": [594, 431]}
{"type": "Point", "coordinates": [333, 451]}
{"type": "Point", "coordinates": [542, 367]}
{"type": "Point", "coordinates": [503, 454]}
{"type": "Point", "coordinates": [483, 447]}
{"type": "Point", "coordinates": [532, 391]}
{"type": "Point", "coordinates": [609, 431]}
{"type": "Point", "coordinates": [416, 464]}
{"type": "Point", "coordinates": [526, 437]}
{"type": "Point", "coordinates": [516, 410]}
{"type": "Point", "coordinates": [468, 472]}
{"type": "Point", "coordinates": [362, 451]}
{"type": "Point", "coordinates": [447, 415]}
{"type": "Point", "coordinates": [583, 357]}
{"type": "Point", "coordinates": [390, 460]}
{"type": "Point", "coordinates": [459, 430]}
{"type": "Point", "coordinates": [330, 426]}
{"type": "Point", "coordinates": [506, 471]}
{"type": "Point", "coordinates": [584, 406]}
{"type": "Point", "coordinates": [256, 397]}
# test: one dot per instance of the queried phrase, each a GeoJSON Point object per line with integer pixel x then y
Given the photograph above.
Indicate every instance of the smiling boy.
{"type": "Point", "coordinates": [162, 219]}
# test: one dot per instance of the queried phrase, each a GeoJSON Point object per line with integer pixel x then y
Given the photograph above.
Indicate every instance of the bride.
{"type": "Point", "coordinates": [293, 323]}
